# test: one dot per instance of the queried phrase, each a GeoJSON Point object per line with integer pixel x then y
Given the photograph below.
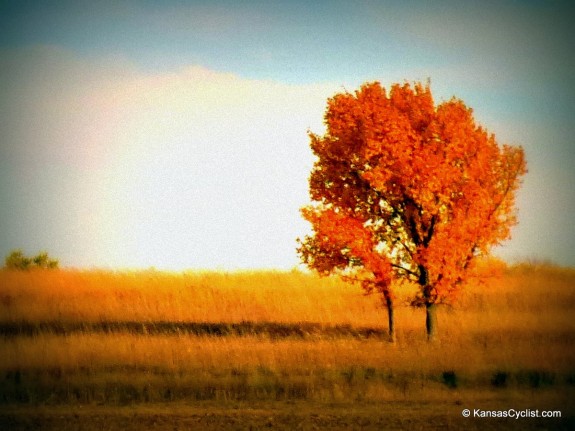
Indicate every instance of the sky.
{"type": "Point", "coordinates": [173, 134]}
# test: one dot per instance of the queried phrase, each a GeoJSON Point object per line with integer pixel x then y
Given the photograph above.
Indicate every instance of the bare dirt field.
{"type": "Point", "coordinates": [290, 415]}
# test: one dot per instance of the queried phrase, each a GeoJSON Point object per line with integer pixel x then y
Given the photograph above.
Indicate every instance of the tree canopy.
{"type": "Point", "coordinates": [403, 189]}
{"type": "Point", "coordinates": [17, 260]}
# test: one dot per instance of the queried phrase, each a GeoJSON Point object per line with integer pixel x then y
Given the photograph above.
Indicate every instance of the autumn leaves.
{"type": "Point", "coordinates": [406, 191]}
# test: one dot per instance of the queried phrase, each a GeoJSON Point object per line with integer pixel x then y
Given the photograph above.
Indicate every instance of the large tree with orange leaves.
{"type": "Point", "coordinates": [404, 190]}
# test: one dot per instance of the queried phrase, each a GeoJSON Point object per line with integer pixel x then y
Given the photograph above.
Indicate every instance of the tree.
{"type": "Point", "coordinates": [17, 260]}
{"type": "Point", "coordinates": [42, 260]}
{"type": "Point", "coordinates": [406, 191]}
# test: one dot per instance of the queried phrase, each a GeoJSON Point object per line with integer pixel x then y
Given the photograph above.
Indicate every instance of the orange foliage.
{"type": "Point", "coordinates": [406, 190]}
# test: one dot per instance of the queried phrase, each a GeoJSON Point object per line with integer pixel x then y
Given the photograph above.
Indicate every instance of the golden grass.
{"type": "Point", "coordinates": [180, 352]}
{"type": "Point", "coordinates": [186, 297]}
{"type": "Point", "coordinates": [516, 298]}
{"type": "Point", "coordinates": [519, 324]}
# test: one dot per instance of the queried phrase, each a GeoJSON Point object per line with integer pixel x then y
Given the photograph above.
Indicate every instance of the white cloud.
{"type": "Point", "coordinates": [193, 168]}
{"type": "Point", "coordinates": [105, 165]}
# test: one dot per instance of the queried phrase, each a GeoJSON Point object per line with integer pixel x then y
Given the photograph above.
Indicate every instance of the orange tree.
{"type": "Point", "coordinates": [407, 191]}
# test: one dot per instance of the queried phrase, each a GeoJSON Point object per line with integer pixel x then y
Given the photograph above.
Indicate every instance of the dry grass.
{"type": "Point", "coordinates": [516, 330]}
{"type": "Point", "coordinates": [80, 296]}
{"type": "Point", "coordinates": [181, 353]}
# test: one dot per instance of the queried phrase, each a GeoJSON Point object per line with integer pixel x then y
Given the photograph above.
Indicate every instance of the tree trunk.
{"type": "Point", "coordinates": [430, 307]}
{"type": "Point", "coordinates": [390, 319]}
{"type": "Point", "coordinates": [431, 321]}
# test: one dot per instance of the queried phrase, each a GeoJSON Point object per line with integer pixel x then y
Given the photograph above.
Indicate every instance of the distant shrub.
{"type": "Point", "coordinates": [536, 378]}
{"type": "Point", "coordinates": [499, 379]}
{"type": "Point", "coordinates": [449, 379]}
{"type": "Point", "coordinates": [17, 260]}
{"type": "Point", "coordinates": [42, 260]}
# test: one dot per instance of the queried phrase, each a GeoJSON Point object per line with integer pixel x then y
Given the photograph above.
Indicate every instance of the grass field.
{"type": "Point", "coordinates": [287, 350]}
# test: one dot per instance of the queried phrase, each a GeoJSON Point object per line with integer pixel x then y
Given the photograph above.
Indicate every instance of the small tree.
{"type": "Point", "coordinates": [42, 260]}
{"type": "Point", "coordinates": [17, 260]}
{"type": "Point", "coordinates": [404, 190]}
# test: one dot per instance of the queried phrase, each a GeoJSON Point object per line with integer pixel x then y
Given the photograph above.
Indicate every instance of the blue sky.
{"type": "Point", "coordinates": [173, 134]}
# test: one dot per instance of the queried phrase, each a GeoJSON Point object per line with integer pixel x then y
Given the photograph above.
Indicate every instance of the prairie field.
{"type": "Point", "coordinates": [285, 350]}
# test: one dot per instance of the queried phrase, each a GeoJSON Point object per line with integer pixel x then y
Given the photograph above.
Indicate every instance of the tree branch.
{"type": "Point", "coordinates": [408, 271]}
{"type": "Point", "coordinates": [429, 235]}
